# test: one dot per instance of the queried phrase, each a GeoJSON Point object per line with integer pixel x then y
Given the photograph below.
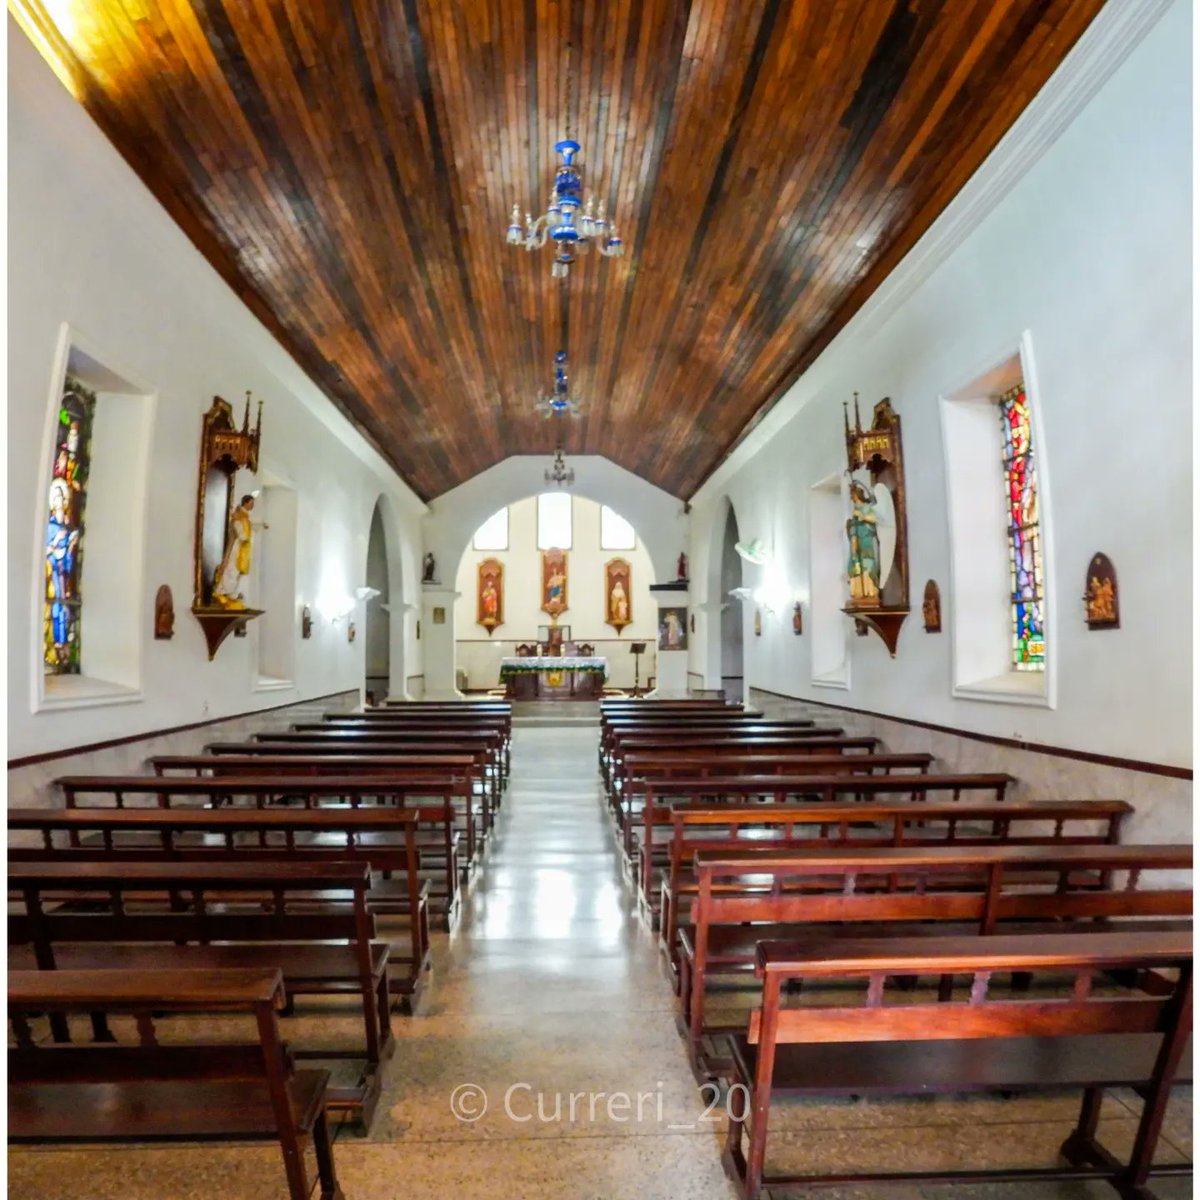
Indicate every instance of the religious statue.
{"type": "Point", "coordinates": [797, 619]}
{"type": "Point", "coordinates": [236, 563]}
{"type": "Point", "coordinates": [428, 575]}
{"type": "Point", "coordinates": [681, 568]}
{"type": "Point", "coordinates": [863, 534]}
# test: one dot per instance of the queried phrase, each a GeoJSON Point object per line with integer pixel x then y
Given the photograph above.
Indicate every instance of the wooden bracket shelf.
{"type": "Point", "coordinates": [885, 621]}
{"type": "Point", "coordinates": [219, 623]}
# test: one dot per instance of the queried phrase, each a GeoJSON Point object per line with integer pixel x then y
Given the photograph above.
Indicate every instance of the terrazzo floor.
{"type": "Point", "coordinates": [550, 987]}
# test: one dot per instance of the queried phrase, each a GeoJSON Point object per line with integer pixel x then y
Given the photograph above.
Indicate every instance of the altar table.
{"type": "Point", "coordinates": [544, 678]}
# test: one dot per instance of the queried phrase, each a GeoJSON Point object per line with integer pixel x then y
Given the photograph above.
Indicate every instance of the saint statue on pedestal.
{"type": "Point", "coordinates": [236, 563]}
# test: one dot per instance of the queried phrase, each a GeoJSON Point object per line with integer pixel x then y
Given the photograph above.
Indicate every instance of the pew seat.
{"type": "Point", "coordinates": [63, 1091]}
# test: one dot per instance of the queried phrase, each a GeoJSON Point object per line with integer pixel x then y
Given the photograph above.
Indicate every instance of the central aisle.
{"type": "Point", "coordinates": [548, 986]}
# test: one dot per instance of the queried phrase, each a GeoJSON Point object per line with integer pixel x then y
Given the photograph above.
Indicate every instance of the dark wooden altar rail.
{"type": "Point", "coordinates": [1077, 1039]}
{"type": "Point", "coordinates": [469, 766]}
{"type": "Point", "coordinates": [150, 916]}
{"type": "Point", "coordinates": [793, 828]}
{"type": "Point", "coordinates": [492, 739]}
{"type": "Point", "coordinates": [804, 741]}
{"type": "Point", "coordinates": [699, 764]}
{"type": "Point", "coordinates": [744, 897]}
{"type": "Point", "coordinates": [657, 795]}
{"type": "Point", "coordinates": [64, 1092]}
{"type": "Point", "coordinates": [380, 838]}
{"type": "Point", "coordinates": [440, 800]}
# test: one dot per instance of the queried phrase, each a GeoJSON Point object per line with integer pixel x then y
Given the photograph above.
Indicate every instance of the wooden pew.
{"type": "Point", "coordinates": [615, 733]}
{"type": "Point", "coordinates": [382, 839]}
{"type": "Point", "coordinates": [978, 1042]}
{"type": "Point", "coordinates": [60, 1091]}
{"type": "Point", "coordinates": [471, 766]}
{"type": "Point", "coordinates": [803, 741]}
{"type": "Point", "coordinates": [382, 720]}
{"type": "Point", "coordinates": [701, 764]}
{"type": "Point", "coordinates": [745, 897]}
{"type": "Point", "coordinates": [790, 828]}
{"type": "Point", "coordinates": [153, 916]}
{"type": "Point", "coordinates": [438, 799]}
{"type": "Point", "coordinates": [389, 738]}
{"type": "Point", "coordinates": [657, 795]}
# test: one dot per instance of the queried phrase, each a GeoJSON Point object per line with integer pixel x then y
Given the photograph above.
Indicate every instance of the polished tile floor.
{"type": "Point", "coordinates": [549, 1023]}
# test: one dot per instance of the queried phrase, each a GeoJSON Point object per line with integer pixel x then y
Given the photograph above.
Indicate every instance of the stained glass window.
{"type": "Point", "coordinates": [1024, 534]}
{"type": "Point", "coordinates": [64, 529]}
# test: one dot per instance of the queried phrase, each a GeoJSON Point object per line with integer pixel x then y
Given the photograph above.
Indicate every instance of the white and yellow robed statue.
{"type": "Point", "coordinates": [236, 563]}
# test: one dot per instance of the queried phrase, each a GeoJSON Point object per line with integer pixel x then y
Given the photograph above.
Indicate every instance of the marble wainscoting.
{"type": "Point", "coordinates": [32, 785]}
{"type": "Point", "coordinates": [1162, 804]}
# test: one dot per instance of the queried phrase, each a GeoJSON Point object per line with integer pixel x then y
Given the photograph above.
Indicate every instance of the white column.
{"type": "Point", "coordinates": [671, 672]}
{"type": "Point", "coordinates": [439, 642]}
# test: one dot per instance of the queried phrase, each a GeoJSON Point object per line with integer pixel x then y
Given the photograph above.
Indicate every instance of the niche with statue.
{"type": "Point", "coordinates": [877, 525]}
{"type": "Point", "coordinates": [224, 526]}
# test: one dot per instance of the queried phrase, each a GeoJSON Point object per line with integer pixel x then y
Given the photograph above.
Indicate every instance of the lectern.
{"type": "Point", "coordinates": [637, 649]}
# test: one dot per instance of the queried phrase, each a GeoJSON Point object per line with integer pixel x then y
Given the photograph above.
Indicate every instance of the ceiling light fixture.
{"type": "Point", "coordinates": [558, 223]}
{"type": "Point", "coordinates": [558, 403]}
{"type": "Point", "coordinates": [559, 473]}
{"type": "Point", "coordinates": [563, 223]}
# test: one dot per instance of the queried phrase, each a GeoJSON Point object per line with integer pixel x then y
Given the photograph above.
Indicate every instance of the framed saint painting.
{"type": "Point", "coordinates": [672, 629]}
{"type": "Point", "coordinates": [618, 593]}
{"type": "Point", "coordinates": [554, 582]}
{"type": "Point", "coordinates": [489, 594]}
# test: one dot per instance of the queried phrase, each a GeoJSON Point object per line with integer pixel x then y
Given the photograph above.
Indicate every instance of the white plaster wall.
{"type": "Point", "coordinates": [1090, 253]}
{"type": "Point", "coordinates": [90, 247]}
{"type": "Point", "coordinates": [480, 655]}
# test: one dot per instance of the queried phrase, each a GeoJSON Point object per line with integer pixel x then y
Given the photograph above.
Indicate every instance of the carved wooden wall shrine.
{"type": "Point", "coordinates": [878, 588]}
{"type": "Point", "coordinates": [224, 449]}
{"type": "Point", "coordinates": [489, 594]}
{"type": "Point", "coordinates": [1101, 598]}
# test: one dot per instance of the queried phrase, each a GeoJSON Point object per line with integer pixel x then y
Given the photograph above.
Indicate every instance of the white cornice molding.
{"type": "Point", "coordinates": [1106, 43]}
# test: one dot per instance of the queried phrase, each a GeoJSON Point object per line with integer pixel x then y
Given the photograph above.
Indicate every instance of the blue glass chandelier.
{"type": "Point", "coordinates": [559, 403]}
{"type": "Point", "coordinates": [563, 222]}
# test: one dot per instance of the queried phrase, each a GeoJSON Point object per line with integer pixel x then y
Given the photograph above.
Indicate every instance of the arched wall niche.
{"type": "Point", "coordinates": [389, 609]}
{"type": "Point", "coordinates": [478, 652]}
{"type": "Point", "coordinates": [657, 516]}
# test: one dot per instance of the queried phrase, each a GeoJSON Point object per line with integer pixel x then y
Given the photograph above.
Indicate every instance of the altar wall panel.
{"type": "Point", "coordinates": [479, 656]}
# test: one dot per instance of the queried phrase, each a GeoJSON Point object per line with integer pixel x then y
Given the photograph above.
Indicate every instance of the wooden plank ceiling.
{"type": "Point", "coordinates": [349, 166]}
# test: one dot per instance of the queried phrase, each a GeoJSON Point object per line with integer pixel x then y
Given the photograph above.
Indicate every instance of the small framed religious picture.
{"type": "Point", "coordinates": [931, 607]}
{"type": "Point", "coordinates": [758, 622]}
{"type": "Point", "coordinates": [672, 629]}
{"type": "Point", "coordinates": [164, 614]}
{"type": "Point", "coordinates": [439, 616]}
{"type": "Point", "coordinates": [1100, 597]}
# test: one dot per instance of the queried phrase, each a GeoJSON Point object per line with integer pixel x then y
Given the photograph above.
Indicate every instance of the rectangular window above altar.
{"type": "Point", "coordinates": [554, 521]}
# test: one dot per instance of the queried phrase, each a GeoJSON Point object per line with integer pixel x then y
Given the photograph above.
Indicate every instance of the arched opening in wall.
{"type": "Point", "coordinates": [827, 573]}
{"type": "Point", "coordinates": [550, 568]}
{"type": "Point", "coordinates": [273, 582]}
{"type": "Point", "coordinates": [378, 618]}
{"type": "Point", "coordinates": [732, 617]}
